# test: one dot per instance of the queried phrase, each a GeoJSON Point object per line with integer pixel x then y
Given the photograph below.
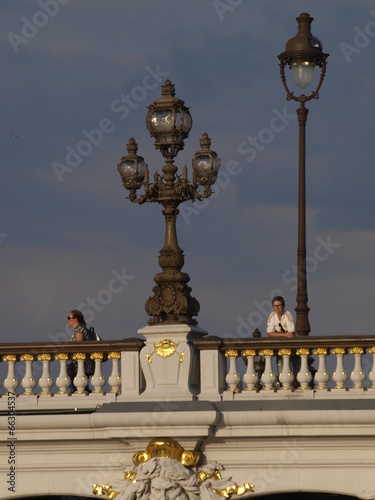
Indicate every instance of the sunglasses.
{"type": "Point", "coordinates": [70, 317]}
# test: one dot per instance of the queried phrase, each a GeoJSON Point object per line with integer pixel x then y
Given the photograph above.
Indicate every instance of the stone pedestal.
{"type": "Point", "coordinates": [170, 362]}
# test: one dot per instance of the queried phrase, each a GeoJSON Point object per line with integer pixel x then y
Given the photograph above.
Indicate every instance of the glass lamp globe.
{"type": "Point", "coordinates": [169, 121]}
{"type": "Point", "coordinates": [303, 73]}
{"type": "Point", "coordinates": [206, 163]}
{"type": "Point", "coordinates": [132, 167]}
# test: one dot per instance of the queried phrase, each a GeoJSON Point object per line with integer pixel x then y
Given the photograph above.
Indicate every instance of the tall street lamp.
{"type": "Point", "coordinates": [302, 53]}
{"type": "Point", "coordinates": [169, 122]}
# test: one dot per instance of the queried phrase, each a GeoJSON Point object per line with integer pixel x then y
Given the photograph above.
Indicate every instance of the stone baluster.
{"type": "Point", "coordinates": [268, 376]}
{"type": "Point", "coordinates": [304, 376]}
{"type": "Point", "coordinates": [11, 381]}
{"type": "Point", "coordinates": [28, 382]}
{"type": "Point", "coordinates": [98, 380]}
{"type": "Point", "coordinates": [114, 379]}
{"type": "Point", "coordinates": [250, 378]}
{"type": "Point", "coordinates": [357, 376]}
{"type": "Point", "coordinates": [286, 377]}
{"type": "Point", "coordinates": [45, 381]}
{"type": "Point", "coordinates": [233, 377]}
{"type": "Point", "coordinates": [63, 380]}
{"type": "Point", "coordinates": [372, 372]}
{"type": "Point", "coordinates": [80, 380]}
{"type": "Point", "coordinates": [339, 375]}
{"type": "Point", "coordinates": [322, 375]}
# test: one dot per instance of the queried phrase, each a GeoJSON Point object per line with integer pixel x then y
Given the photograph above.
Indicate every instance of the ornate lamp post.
{"type": "Point", "coordinates": [169, 122]}
{"type": "Point", "coordinates": [302, 53]}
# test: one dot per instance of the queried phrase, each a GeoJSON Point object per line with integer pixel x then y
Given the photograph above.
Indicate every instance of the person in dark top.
{"type": "Point", "coordinates": [80, 334]}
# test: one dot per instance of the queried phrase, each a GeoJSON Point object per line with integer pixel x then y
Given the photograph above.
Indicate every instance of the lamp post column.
{"type": "Point", "coordinates": [302, 309]}
{"type": "Point", "coordinates": [302, 54]}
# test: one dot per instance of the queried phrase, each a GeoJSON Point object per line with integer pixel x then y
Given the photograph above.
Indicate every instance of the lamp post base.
{"type": "Point", "coordinates": [172, 302]}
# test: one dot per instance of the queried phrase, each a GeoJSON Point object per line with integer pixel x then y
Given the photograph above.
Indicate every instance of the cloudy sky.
{"type": "Point", "coordinates": [77, 77]}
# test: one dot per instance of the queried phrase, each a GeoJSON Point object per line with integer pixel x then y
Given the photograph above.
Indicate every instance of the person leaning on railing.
{"type": "Point", "coordinates": [80, 334]}
{"type": "Point", "coordinates": [280, 324]}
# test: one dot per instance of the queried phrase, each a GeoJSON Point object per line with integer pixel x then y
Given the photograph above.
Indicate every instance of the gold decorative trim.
{"type": "Point", "coordinates": [104, 490]}
{"type": "Point", "coordinates": [167, 448]}
{"type": "Point", "coordinates": [44, 357]}
{"type": "Point", "coordinates": [10, 358]}
{"type": "Point", "coordinates": [356, 350]}
{"type": "Point", "coordinates": [339, 350]}
{"type": "Point", "coordinates": [371, 350]}
{"type": "Point", "coordinates": [97, 355]}
{"type": "Point", "coordinates": [249, 352]}
{"type": "Point", "coordinates": [231, 353]}
{"type": "Point", "coordinates": [285, 352]}
{"type": "Point", "coordinates": [164, 349]}
{"type": "Point", "coordinates": [234, 490]}
{"type": "Point", "coordinates": [321, 351]}
{"type": "Point", "coordinates": [27, 357]}
{"type": "Point", "coordinates": [203, 476]}
{"type": "Point", "coordinates": [79, 356]}
{"type": "Point", "coordinates": [303, 351]}
{"type": "Point", "coordinates": [62, 356]}
{"type": "Point", "coordinates": [114, 355]}
{"type": "Point", "coordinates": [266, 352]}
{"type": "Point", "coordinates": [130, 475]}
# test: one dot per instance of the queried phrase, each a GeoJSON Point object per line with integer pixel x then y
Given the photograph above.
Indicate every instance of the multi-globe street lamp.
{"type": "Point", "coordinates": [169, 122]}
{"type": "Point", "coordinates": [302, 53]}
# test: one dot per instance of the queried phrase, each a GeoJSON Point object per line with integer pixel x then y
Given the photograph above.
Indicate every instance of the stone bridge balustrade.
{"type": "Point", "coordinates": [183, 363]}
{"type": "Point", "coordinates": [37, 371]}
{"type": "Point", "coordinates": [334, 367]}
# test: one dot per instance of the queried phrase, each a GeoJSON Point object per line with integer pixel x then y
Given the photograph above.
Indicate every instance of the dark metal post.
{"type": "Point", "coordinates": [302, 309]}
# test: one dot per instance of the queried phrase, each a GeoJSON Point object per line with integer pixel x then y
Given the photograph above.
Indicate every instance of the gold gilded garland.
{"type": "Point", "coordinates": [164, 349]}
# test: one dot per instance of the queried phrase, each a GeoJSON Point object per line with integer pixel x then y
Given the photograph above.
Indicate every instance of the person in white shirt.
{"type": "Point", "coordinates": [280, 324]}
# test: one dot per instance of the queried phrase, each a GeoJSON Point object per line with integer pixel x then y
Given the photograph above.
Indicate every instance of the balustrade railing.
{"type": "Point", "coordinates": [341, 366]}
{"type": "Point", "coordinates": [40, 369]}
{"type": "Point", "coordinates": [226, 369]}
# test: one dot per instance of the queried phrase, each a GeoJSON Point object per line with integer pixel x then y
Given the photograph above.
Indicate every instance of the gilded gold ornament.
{"type": "Point", "coordinates": [249, 352]}
{"type": "Point", "coordinates": [10, 358]}
{"type": "Point", "coordinates": [167, 448]}
{"type": "Point", "coordinates": [321, 351]}
{"type": "Point", "coordinates": [104, 490]}
{"type": "Point", "coordinates": [231, 353]}
{"type": "Point", "coordinates": [285, 352]}
{"type": "Point", "coordinates": [44, 357]}
{"type": "Point", "coordinates": [303, 352]}
{"type": "Point", "coordinates": [27, 357]}
{"type": "Point", "coordinates": [62, 356]}
{"type": "Point", "coordinates": [356, 350]}
{"type": "Point", "coordinates": [234, 490]}
{"type": "Point", "coordinates": [79, 356]}
{"type": "Point", "coordinates": [266, 352]}
{"type": "Point", "coordinates": [114, 355]}
{"type": "Point", "coordinates": [97, 355]}
{"type": "Point", "coordinates": [339, 350]}
{"type": "Point", "coordinates": [164, 349]}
